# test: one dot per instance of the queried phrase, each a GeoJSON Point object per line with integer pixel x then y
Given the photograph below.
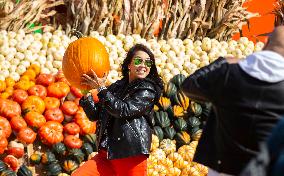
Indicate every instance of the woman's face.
{"type": "Point", "coordinates": [140, 66]}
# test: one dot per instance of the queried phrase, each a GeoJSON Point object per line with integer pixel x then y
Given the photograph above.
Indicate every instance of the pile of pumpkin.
{"type": "Point", "coordinates": [42, 110]}
{"type": "Point", "coordinates": [177, 127]}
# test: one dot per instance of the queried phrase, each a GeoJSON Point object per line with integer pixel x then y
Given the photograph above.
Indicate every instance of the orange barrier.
{"type": "Point", "coordinates": [259, 25]}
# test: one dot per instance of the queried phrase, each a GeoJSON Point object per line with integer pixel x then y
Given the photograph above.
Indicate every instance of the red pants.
{"type": "Point", "coordinates": [99, 165]}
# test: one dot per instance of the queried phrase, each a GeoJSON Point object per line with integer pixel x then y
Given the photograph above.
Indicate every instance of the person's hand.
{"type": "Point", "coordinates": [93, 80]}
{"type": "Point", "coordinates": [232, 60]}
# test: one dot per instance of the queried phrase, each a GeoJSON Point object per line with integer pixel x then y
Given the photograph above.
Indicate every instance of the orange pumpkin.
{"type": "Point", "coordinates": [35, 119]}
{"type": "Point", "coordinates": [10, 82]}
{"type": "Point", "coordinates": [51, 133]}
{"type": "Point", "coordinates": [2, 86]}
{"type": "Point", "coordinates": [33, 103]}
{"type": "Point", "coordinates": [5, 128]}
{"type": "Point", "coordinates": [26, 135]}
{"type": "Point", "coordinates": [51, 103]}
{"type": "Point", "coordinates": [83, 55]}
{"type": "Point", "coordinates": [9, 108]}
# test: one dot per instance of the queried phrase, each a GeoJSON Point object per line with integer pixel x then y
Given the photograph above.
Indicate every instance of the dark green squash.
{"type": "Point", "coordinates": [162, 119]}
{"type": "Point", "coordinates": [70, 165]}
{"type": "Point", "coordinates": [182, 138]}
{"type": "Point", "coordinates": [195, 109]}
{"type": "Point", "coordinates": [59, 148]}
{"type": "Point", "coordinates": [178, 80]}
{"type": "Point", "coordinates": [24, 171]}
{"type": "Point", "coordinates": [8, 172]}
{"type": "Point", "coordinates": [170, 89]}
{"type": "Point", "coordinates": [53, 169]}
{"type": "Point", "coordinates": [181, 99]}
{"type": "Point", "coordinates": [169, 132]}
{"type": "Point", "coordinates": [196, 135]}
{"type": "Point", "coordinates": [92, 139]}
{"type": "Point", "coordinates": [76, 154]}
{"type": "Point", "coordinates": [35, 158]}
{"type": "Point", "coordinates": [193, 122]}
{"type": "Point", "coordinates": [48, 157]}
{"type": "Point", "coordinates": [170, 112]}
{"type": "Point", "coordinates": [87, 149]}
{"type": "Point", "coordinates": [180, 124]}
{"type": "Point", "coordinates": [158, 131]}
{"type": "Point", "coordinates": [3, 166]}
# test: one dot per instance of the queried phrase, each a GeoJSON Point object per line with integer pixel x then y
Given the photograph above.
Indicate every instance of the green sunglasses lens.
{"type": "Point", "coordinates": [148, 63]}
{"type": "Point", "coordinates": [137, 61]}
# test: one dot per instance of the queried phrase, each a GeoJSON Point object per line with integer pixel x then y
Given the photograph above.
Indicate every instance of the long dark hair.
{"type": "Point", "coordinates": [153, 74]}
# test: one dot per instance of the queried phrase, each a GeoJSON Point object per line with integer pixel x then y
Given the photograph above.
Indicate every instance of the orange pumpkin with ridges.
{"type": "Point", "coordinates": [81, 56]}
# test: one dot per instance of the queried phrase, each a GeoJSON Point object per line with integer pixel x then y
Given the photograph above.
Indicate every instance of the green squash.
{"type": "Point", "coordinates": [178, 80]}
{"type": "Point", "coordinates": [76, 154]}
{"type": "Point", "coordinates": [35, 158]}
{"type": "Point", "coordinates": [92, 139]}
{"type": "Point", "coordinates": [48, 157]}
{"type": "Point", "coordinates": [3, 166]}
{"type": "Point", "coordinates": [170, 112]}
{"type": "Point", "coordinates": [195, 109]}
{"type": "Point", "coordinates": [158, 131]}
{"type": "Point", "coordinates": [87, 149]}
{"type": "Point", "coordinates": [181, 99]}
{"type": "Point", "coordinates": [170, 89]}
{"type": "Point", "coordinates": [182, 138]}
{"type": "Point", "coordinates": [8, 172]}
{"type": "Point", "coordinates": [162, 119]}
{"type": "Point", "coordinates": [180, 124]}
{"type": "Point", "coordinates": [59, 148]}
{"type": "Point", "coordinates": [70, 165]}
{"type": "Point", "coordinates": [169, 132]}
{"type": "Point", "coordinates": [24, 171]}
{"type": "Point", "coordinates": [53, 169]}
{"type": "Point", "coordinates": [196, 135]}
{"type": "Point", "coordinates": [193, 122]}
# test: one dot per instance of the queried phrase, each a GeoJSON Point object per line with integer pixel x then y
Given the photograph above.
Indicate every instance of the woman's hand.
{"type": "Point", "coordinates": [93, 80]}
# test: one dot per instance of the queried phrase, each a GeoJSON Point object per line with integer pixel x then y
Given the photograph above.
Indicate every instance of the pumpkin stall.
{"type": "Point", "coordinates": [44, 131]}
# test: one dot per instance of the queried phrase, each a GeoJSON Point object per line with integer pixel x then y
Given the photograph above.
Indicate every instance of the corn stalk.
{"type": "Point", "coordinates": [19, 16]}
{"type": "Point", "coordinates": [279, 13]}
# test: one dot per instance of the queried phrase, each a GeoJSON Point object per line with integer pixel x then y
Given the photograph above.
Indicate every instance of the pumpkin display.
{"type": "Point", "coordinates": [35, 158]}
{"type": "Point", "coordinates": [162, 119]}
{"type": "Point", "coordinates": [17, 123]}
{"type": "Point", "coordinates": [58, 90]}
{"type": "Point", "coordinates": [180, 124]}
{"type": "Point", "coordinates": [8, 172]}
{"type": "Point", "coordinates": [33, 103]}
{"type": "Point", "coordinates": [70, 165]}
{"type": "Point", "coordinates": [26, 135]}
{"type": "Point", "coordinates": [181, 100]}
{"type": "Point", "coordinates": [155, 142]}
{"type": "Point", "coordinates": [72, 141]}
{"type": "Point", "coordinates": [196, 135]}
{"type": "Point", "coordinates": [182, 138]}
{"type": "Point", "coordinates": [178, 111]}
{"type": "Point", "coordinates": [34, 119]}
{"type": "Point", "coordinates": [12, 162]}
{"type": "Point", "coordinates": [51, 103]}
{"type": "Point", "coordinates": [59, 148]}
{"type": "Point", "coordinates": [53, 169]}
{"type": "Point", "coordinates": [3, 166]}
{"type": "Point", "coordinates": [45, 79]}
{"type": "Point", "coordinates": [170, 89]}
{"type": "Point", "coordinates": [16, 149]}
{"type": "Point", "coordinates": [71, 128]}
{"type": "Point", "coordinates": [9, 108]}
{"type": "Point", "coordinates": [48, 157]}
{"type": "Point", "coordinates": [173, 171]}
{"type": "Point", "coordinates": [51, 133]}
{"type": "Point", "coordinates": [54, 114]}
{"type": "Point", "coordinates": [19, 95]}
{"type": "Point", "coordinates": [3, 144]}
{"type": "Point", "coordinates": [195, 109]}
{"type": "Point", "coordinates": [158, 131]}
{"type": "Point", "coordinates": [24, 171]}
{"type": "Point", "coordinates": [87, 149]}
{"type": "Point", "coordinates": [165, 103]}
{"type": "Point", "coordinates": [178, 80]}
{"type": "Point", "coordinates": [76, 154]}
{"type": "Point", "coordinates": [168, 146]}
{"type": "Point", "coordinates": [81, 56]}
{"type": "Point", "coordinates": [38, 90]}
{"type": "Point", "coordinates": [5, 127]}
{"type": "Point", "coordinates": [169, 132]}
{"type": "Point", "coordinates": [69, 108]}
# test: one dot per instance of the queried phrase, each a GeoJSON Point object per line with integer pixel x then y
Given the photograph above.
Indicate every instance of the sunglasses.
{"type": "Point", "coordinates": [138, 61]}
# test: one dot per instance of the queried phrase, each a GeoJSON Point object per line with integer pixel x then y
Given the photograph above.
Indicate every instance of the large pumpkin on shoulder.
{"type": "Point", "coordinates": [81, 56]}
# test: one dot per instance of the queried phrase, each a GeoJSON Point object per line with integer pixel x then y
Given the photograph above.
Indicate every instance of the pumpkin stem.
{"type": "Point", "coordinates": [78, 34]}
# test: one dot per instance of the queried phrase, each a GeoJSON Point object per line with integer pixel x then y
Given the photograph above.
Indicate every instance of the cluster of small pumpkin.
{"type": "Point", "coordinates": [177, 126]}
{"type": "Point", "coordinates": [43, 109]}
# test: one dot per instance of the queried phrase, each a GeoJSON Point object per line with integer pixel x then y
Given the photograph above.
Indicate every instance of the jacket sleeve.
{"type": "Point", "coordinates": [135, 105]}
{"type": "Point", "coordinates": [90, 107]}
{"type": "Point", "coordinates": [205, 82]}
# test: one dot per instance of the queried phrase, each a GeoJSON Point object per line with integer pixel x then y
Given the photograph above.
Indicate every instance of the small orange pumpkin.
{"type": "Point", "coordinates": [33, 103]}
{"type": "Point", "coordinates": [81, 56]}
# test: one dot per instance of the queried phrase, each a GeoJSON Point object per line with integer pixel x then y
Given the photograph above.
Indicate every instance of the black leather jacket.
{"type": "Point", "coordinates": [245, 111]}
{"type": "Point", "coordinates": [126, 111]}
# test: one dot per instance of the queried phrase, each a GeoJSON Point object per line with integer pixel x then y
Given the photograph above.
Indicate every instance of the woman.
{"type": "Point", "coordinates": [124, 115]}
